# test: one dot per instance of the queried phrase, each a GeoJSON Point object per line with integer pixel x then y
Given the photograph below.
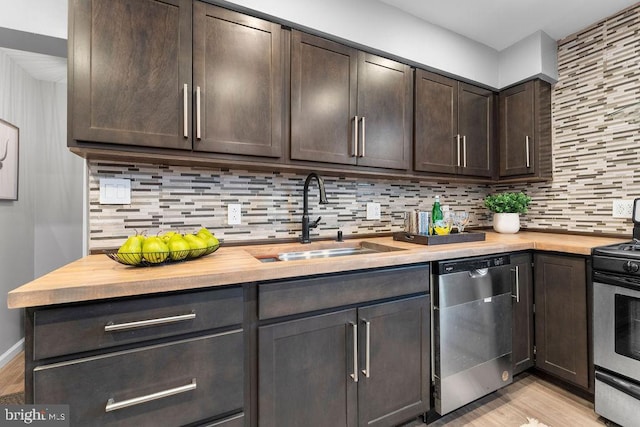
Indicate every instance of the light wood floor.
{"type": "Point", "coordinates": [12, 376]}
{"type": "Point", "coordinates": [529, 396]}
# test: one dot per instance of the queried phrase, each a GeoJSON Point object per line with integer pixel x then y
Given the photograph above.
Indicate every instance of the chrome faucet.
{"type": "Point", "coordinates": [306, 225]}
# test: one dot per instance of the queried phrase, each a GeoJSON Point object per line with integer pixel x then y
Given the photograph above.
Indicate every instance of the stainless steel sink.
{"type": "Point", "coordinates": [361, 249]}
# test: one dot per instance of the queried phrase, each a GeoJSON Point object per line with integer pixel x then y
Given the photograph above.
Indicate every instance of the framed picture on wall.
{"type": "Point", "coordinates": [9, 139]}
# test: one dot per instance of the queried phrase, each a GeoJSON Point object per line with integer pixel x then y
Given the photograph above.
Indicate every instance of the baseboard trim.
{"type": "Point", "coordinates": [8, 355]}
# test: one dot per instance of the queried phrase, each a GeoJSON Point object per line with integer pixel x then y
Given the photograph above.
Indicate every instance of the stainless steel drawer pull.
{"type": "Point", "coordinates": [185, 106]}
{"type": "Point", "coordinates": [149, 322]}
{"type": "Point", "coordinates": [516, 270]}
{"type": "Point", "coordinates": [354, 376]}
{"type": "Point", "coordinates": [458, 148]}
{"type": "Point", "coordinates": [363, 137]}
{"type": "Point", "coordinates": [112, 405]}
{"type": "Point", "coordinates": [464, 151]}
{"type": "Point", "coordinates": [198, 131]}
{"type": "Point", "coordinates": [526, 148]}
{"type": "Point", "coordinates": [355, 137]}
{"type": "Point", "coordinates": [367, 349]}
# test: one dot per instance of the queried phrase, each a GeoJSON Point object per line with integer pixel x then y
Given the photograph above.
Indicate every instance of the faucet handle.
{"type": "Point", "coordinates": [315, 223]}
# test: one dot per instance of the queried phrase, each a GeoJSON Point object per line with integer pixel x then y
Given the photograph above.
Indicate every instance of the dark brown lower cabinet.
{"type": "Point", "coordinates": [523, 320]}
{"type": "Point", "coordinates": [562, 317]}
{"type": "Point", "coordinates": [161, 360]}
{"type": "Point", "coordinates": [169, 384]}
{"type": "Point", "coordinates": [365, 366]}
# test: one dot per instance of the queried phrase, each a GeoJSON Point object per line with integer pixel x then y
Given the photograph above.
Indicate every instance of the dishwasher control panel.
{"type": "Point", "coordinates": [469, 264]}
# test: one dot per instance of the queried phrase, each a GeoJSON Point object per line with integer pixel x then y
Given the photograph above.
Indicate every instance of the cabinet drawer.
{"type": "Point", "coordinates": [170, 384]}
{"type": "Point", "coordinates": [66, 330]}
{"type": "Point", "coordinates": [305, 295]}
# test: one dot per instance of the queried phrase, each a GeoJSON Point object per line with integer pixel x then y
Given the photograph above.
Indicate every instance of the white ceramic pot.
{"type": "Point", "coordinates": [507, 223]}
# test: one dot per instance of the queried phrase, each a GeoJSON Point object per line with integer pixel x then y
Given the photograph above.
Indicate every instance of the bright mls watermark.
{"type": "Point", "coordinates": [35, 415]}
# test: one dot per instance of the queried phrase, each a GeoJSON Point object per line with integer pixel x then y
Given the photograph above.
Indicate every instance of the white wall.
{"type": "Point", "coordinates": [46, 17]}
{"type": "Point", "coordinates": [387, 29]}
{"type": "Point", "coordinates": [380, 27]}
{"type": "Point", "coordinates": [533, 56]}
{"type": "Point", "coordinates": [42, 230]}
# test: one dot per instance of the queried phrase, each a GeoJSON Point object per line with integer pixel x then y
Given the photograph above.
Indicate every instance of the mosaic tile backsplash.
{"type": "Point", "coordinates": [596, 160]}
{"type": "Point", "coordinates": [164, 197]}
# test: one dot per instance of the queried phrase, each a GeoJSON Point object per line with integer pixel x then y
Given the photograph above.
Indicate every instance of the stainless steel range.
{"type": "Point", "coordinates": [616, 329]}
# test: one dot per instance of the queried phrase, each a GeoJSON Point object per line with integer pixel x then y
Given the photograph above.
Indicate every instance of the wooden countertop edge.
{"type": "Point", "coordinates": [97, 277]}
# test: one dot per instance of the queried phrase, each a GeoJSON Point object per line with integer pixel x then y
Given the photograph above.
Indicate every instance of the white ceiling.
{"type": "Point", "coordinates": [495, 23]}
{"type": "Point", "coordinates": [41, 67]}
{"type": "Point", "coordinates": [501, 23]}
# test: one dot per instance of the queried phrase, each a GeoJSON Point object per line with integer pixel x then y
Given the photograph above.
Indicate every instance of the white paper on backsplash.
{"type": "Point", "coordinates": [183, 198]}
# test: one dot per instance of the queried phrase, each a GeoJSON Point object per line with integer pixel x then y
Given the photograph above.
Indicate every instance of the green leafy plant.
{"type": "Point", "coordinates": [507, 202]}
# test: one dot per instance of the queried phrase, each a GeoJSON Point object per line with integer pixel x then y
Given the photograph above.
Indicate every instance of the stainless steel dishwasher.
{"type": "Point", "coordinates": [471, 309]}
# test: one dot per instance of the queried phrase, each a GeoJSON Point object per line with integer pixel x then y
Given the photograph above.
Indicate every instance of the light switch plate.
{"type": "Point", "coordinates": [115, 191]}
{"type": "Point", "coordinates": [373, 210]}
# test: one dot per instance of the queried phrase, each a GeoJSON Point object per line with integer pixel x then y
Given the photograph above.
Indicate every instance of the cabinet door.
{"type": "Point", "coordinates": [394, 361]}
{"type": "Point", "coordinates": [237, 70]}
{"type": "Point", "coordinates": [517, 133]}
{"type": "Point", "coordinates": [436, 124]}
{"type": "Point", "coordinates": [304, 372]}
{"type": "Point", "coordinates": [561, 317]}
{"type": "Point", "coordinates": [475, 126]}
{"type": "Point", "coordinates": [323, 100]}
{"type": "Point", "coordinates": [130, 62]}
{"type": "Point", "coordinates": [523, 339]}
{"type": "Point", "coordinates": [384, 112]}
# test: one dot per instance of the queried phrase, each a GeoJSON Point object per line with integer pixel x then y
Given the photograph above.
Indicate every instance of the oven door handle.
{"type": "Point", "coordinates": [616, 280]}
{"type": "Point", "coordinates": [619, 384]}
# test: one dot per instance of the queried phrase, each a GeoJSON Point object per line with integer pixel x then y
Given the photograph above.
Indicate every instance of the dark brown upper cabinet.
{"type": "Point", "coordinates": [131, 66]}
{"type": "Point", "coordinates": [348, 107]}
{"type": "Point", "coordinates": [238, 83]}
{"type": "Point", "coordinates": [525, 131]}
{"type": "Point", "coordinates": [130, 72]}
{"type": "Point", "coordinates": [454, 124]}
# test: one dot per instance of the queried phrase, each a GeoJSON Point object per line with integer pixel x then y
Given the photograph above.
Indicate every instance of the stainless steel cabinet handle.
{"type": "Point", "coordinates": [367, 349]}
{"type": "Point", "coordinates": [458, 148]}
{"type": "Point", "coordinates": [363, 137]}
{"type": "Point", "coordinates": [149, 322]}
{"type": "Point", "coordinates": [355, 137]}
{"type": "Point", "coordinates": [198, 132]}
{"type": "Point", "coordinates": [354, 328]}
{"type": "Point", "coordinates": [112, 405]}
{"type": "Point", "coordinates": [464, 151]}
{"type": "Point", "coordinates": [516, 270]}
{"type": "Point", "coordinates": [526, 149]}
{"type": "Point", "coordinates": [185, 107]}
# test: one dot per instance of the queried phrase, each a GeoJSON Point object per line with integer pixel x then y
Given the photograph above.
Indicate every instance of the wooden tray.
{"type": "Point", "coordinates": [424, 239]}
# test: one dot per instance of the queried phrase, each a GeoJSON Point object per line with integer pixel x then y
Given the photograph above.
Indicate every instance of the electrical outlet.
{"type": "Point", "coordinates": [234, 214]}
{"type": "Point", "coordinates": [622, 209]}
{"type": "Point", "coordinates": [373, 210]}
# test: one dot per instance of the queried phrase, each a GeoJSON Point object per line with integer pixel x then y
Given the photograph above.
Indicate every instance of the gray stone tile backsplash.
{"type": "Point", "coordinates": [164, 197]}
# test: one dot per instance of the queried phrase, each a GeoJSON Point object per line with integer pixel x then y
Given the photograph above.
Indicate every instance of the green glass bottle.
{"type": "Point", "coordinates": [436, 214]}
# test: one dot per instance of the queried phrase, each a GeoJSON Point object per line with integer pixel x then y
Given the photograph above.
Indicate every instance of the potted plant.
{"type": "Point", "coordinates": [506, 208]}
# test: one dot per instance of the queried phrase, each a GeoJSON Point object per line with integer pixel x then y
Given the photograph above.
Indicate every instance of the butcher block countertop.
{"type": "Point", "coordinates": [97, 277]}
